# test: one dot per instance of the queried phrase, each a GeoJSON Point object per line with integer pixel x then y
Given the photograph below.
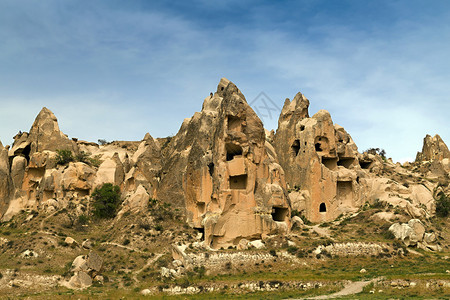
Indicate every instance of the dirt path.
{"type": "Point", "coordinates": [122, 246]}
{"type": "Point", "coordinates": [322, 231]}
{"type": "Point", "coordinates": [349, 289]}
{"type": "Point", "coordinates": [150, 261]}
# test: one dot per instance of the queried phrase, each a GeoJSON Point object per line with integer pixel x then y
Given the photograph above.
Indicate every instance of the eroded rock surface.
{"type": "Point", "coordinates": [219, 164]}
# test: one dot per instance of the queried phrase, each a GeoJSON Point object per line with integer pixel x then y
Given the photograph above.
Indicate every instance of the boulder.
{"type": "Point", "coordinates": [86, 269]}
{"type": "Point", "coordinates": [79, 177]}
{"type": "Point", "coordinates": [297, 222]}
{"type": "Point", "coordinates": [110, 171]}
{"type": "Point", "coordinates": [136, 202]}
{"type": "Point", "coordinates": [413, 234]}
{"type": "Point", "coordinates": [29, 254]}
{"type": "Point", "coordinates": [87, 244]}
{"type": "Point", "coordinates": [80, 280]}
{"type": "Point", "coordinates": [258, 244]}
{"type": "Point", "coordinates": [70, 241]}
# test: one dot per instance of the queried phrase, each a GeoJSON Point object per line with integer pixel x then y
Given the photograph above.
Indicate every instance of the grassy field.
{"type": "Point", "coordinates": [129, 244]}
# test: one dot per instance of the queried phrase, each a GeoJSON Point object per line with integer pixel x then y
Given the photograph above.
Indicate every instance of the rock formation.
{"type": "Point", "coordinates": [435, 157]}
{"type": "Point", "coordinates": [413, 234]}
{"type": "Point", "coordinates": [320, 161]}
{"type": "Point", "coordinates": [44, 135]}
{"type": "Point", "coordinates": [225, 173]}
{"type": "Point", "coordinates": [433, 148]}
{"type": "Point", "coordinates": [236, 182]}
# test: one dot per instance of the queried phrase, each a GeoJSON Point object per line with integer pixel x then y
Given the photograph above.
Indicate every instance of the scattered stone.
{"type": "Point", "coordinates": [258, 244]}
{"type": "Point", "coordinates": [70, 241]}
{"type": "Point", "coordinates": [86, 269]}
{"type": "Point", "coordinates": [146, 292]}
{"type": "Point", "coordinates": [413, 234]}
{"type": "Point", "coordinates": [80, 280]}
{"type": "Point", "coordinates": [29, 254]}
{"type": "Point", "coordinates": [87, 244]}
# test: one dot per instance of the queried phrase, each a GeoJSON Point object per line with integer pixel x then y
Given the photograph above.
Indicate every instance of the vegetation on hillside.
{"type": "Point", "coordinates": [106, 200]}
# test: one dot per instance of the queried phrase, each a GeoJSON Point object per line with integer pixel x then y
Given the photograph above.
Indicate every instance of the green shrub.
{"type": "Point", "coordinates": [106, 200]}
{"type": "Point", "coordinates": [376, 151]}
{"type": "Point", "coordinates": [442, 205]}
{"type": "Point", "coordinates": [83, 219]}
{"type": "Point", "coordinates": [83, 157]}
{"type": "Point", "coordinates": [102, 142]}
{"type": "Point", "coordinates": [292, 250]}
{"type": "Point", "coordinates": [64, 157]}
{"type": "Point", "coordinates": [95, 161]}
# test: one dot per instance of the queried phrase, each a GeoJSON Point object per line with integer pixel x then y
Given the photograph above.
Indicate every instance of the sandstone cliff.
{"type": "Point", "coordinates": [234, 181]}
{"type": "Point", "coordinates": [219, 168]}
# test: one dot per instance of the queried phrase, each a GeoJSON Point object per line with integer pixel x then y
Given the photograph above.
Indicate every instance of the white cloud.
{"type": "Point", "coordinates": [124, 72]}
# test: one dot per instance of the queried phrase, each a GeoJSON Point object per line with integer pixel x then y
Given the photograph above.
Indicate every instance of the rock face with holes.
{"type": "Point", "coordinates": [220, 165]}
{"type": "Point", "coordinates": [320, 161]}
{"type": "Point", "coordinates": [31, 179]}
{"type": "Point", "coordinates": [44, 135]}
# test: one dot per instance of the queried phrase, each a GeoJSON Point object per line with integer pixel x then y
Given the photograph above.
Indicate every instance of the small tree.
{"type": "Point", "coordinates": [106, 200]}
{"type": "Point", "coordinates": [442, 205]}
{"type": "Point", "coordinates": [83, 157]}
{"type": "Point", "coordinates": [64, 157]}
{"type": "Point", "coordinates": [376, 151]}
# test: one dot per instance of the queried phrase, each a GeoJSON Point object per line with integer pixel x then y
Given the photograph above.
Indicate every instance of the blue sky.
{"type": "Point", "coordinates": [118, 69]}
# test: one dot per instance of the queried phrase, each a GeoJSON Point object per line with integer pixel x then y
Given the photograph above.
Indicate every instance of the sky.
{"type": "Point", "coordinates": [116, 70]}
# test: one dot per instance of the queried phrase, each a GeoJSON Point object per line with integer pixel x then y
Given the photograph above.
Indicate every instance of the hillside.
{"type": "Point", "coordinates": [224, 208]}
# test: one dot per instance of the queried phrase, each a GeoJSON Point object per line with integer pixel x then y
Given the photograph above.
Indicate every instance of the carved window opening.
{"type": "Point", "coordinates": [26, 152]}
{"type": "Point", "coordinates": [365, 164]}
{"type": "Point", "coordinates": [234, 123]}
{"type": "Point", "coordinates": [322, 207]}
{"type": "Point", "coordinates": [211, 169]}
{"type": "Point", "coordinates": [345, 162]}
{"type": "Point", "coordinates": [302, 127]}
{"type": "Point", "coordinates": [201, 207]}
{"type": "Point", "coordinates": [232, 151]}
{"type": "Point", "coordinates": [321, 144]}
{"type": "Point", "coordinates": [279, 213]}
{"type": "Point", "coordinates": [238, 182]}
{"type": "Point", "coordinates": [295, 147]}
{"type": "Point", "coordinates": [82, 192]}
{"type": "Point", "coordinates": [202, 231]}
{"type": "Point", "coordinates": [330, 162]}
{"type": "Point", "coordinates": [345, 192]}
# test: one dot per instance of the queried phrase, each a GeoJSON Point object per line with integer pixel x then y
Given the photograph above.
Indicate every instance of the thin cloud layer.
{"type": "Point", "coordinates": [116, 70]}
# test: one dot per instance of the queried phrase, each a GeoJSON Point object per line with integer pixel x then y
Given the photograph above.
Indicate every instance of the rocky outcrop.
{"type": "Point", "coordinates": [434, 159]}
{"type": "Point", "coordinates": [44, 135]}
{"type": "Point", "coordinates": [219, 166]}
{"type": "Point", "coordinates": [6, 184]}
{"type": "Point", "coordinates": [86, 268]}
{"type": "Point", "coordinates": [320, 161]}
{"type": "Point", "coordinates": [235, 181]}
{"type": "Point", "coordinates": [433, 148]}
{"type": "Point", "coordinates": [413, 234]}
